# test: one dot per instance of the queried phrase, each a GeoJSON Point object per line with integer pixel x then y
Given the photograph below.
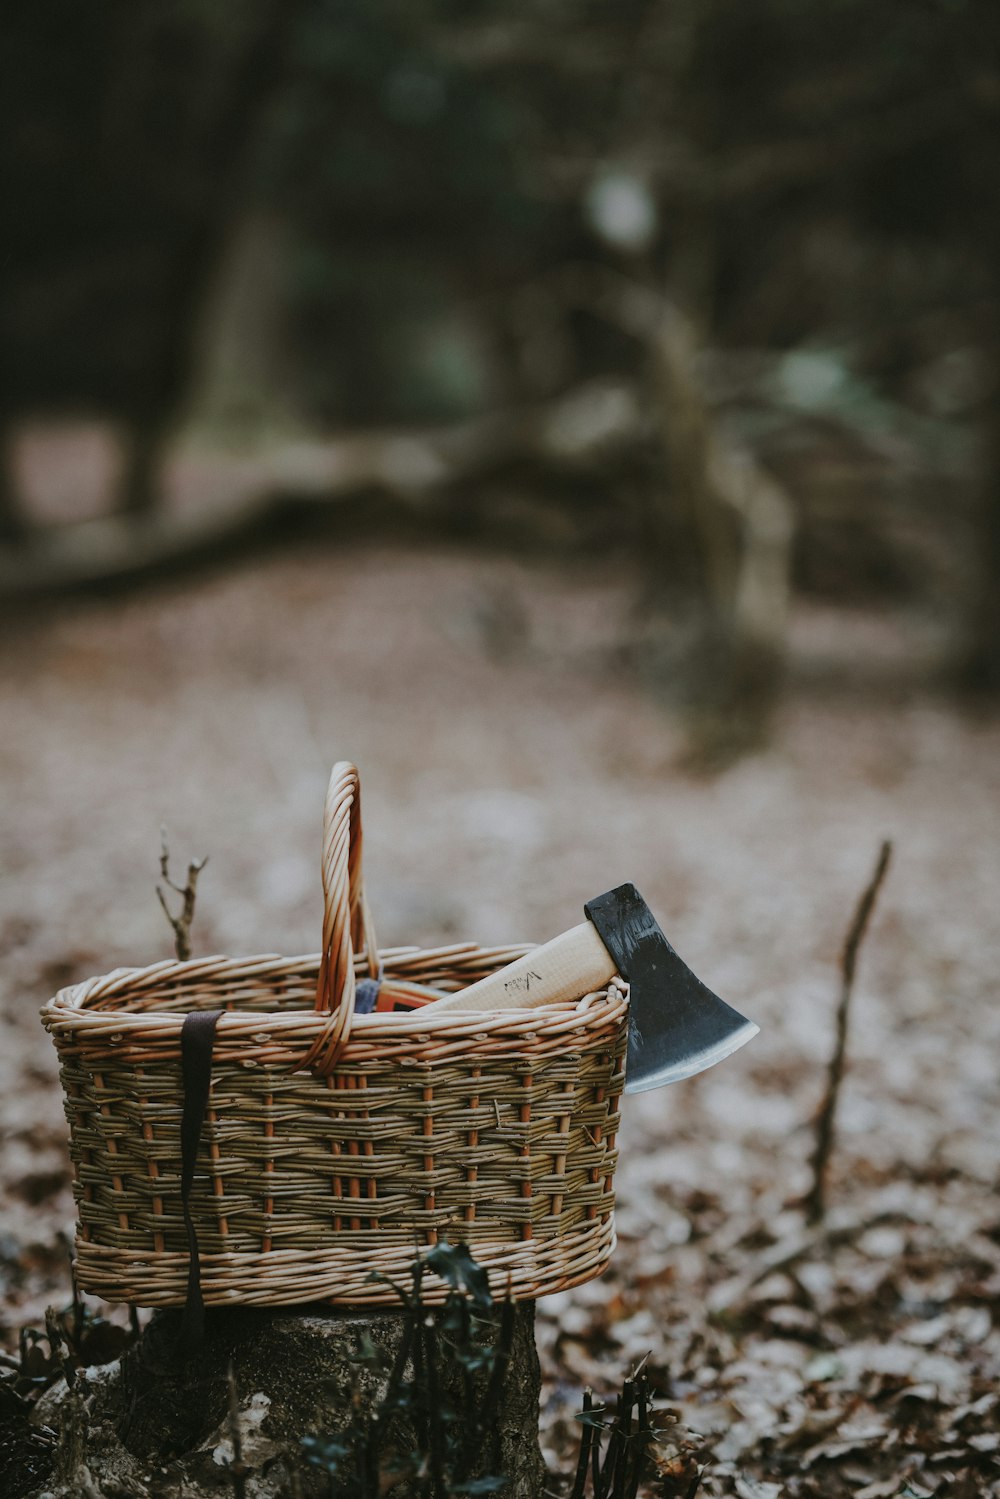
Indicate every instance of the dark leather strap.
{"type": "Point", "coordinates": [197, 1041]}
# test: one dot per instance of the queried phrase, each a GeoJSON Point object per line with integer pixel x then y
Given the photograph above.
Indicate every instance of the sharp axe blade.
{"type": "Point", "coordinates": [677, 1026]}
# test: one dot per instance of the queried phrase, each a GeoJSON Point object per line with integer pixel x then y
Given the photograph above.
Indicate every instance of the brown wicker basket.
{"type": "Point", "coordinates": [335, 1143]}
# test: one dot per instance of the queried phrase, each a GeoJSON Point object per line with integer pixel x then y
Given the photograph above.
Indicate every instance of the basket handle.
{"type": "Point", "coordinates": [347, 922]}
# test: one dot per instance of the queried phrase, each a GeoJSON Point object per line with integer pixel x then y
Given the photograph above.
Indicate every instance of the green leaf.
{"type": "Point", "coordinates": [455, 1265]}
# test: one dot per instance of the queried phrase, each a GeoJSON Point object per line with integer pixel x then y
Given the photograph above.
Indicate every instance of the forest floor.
{"type": "Point", "coordinates": [511, 769]}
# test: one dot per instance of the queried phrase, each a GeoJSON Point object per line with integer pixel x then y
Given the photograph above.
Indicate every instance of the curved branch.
{"type": "Point", "coordinates": [313, 482]}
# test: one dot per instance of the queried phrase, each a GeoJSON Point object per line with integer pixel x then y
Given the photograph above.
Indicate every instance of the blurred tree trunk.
{"type": "Point", "coordinates": [982, 663]}
{"type": "Point", "coordinates": [13, 525]}
{"type": "Point", "coordinates": [718, 538]}
{"type": "Point", "coordinates": [228, 148]}
{"type": "Point", "coordinates": [722, 540]}
{"type": "Point", "coordinates": [980, 670]}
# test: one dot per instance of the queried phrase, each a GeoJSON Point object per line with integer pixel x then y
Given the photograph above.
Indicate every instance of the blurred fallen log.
{"type": "Point", "coordinates": [713, 528]}
{"type": "Point", "coordinates": [308, 483]}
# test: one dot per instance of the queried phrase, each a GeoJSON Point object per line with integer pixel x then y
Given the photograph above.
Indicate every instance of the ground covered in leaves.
{"type": "Point", "coordinates": [513, 766]}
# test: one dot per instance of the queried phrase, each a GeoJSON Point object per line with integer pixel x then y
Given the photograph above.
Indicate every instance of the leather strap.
{"type": "Point", "coordinates": [197, 1042]}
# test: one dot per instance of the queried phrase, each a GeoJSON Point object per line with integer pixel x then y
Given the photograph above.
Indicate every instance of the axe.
{"type": "Point", "coordinates": [676, 1027]}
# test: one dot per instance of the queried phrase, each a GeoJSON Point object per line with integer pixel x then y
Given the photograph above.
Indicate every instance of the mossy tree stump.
{"type": "Point", "coordinates": [232, 1418]}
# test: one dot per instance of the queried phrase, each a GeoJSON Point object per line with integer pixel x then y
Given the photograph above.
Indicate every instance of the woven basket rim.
{"type": "Point", "coordinates": [84, 1006]}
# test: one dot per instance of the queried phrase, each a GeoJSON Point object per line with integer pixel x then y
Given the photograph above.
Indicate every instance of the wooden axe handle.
{"type": "Point", "coordinates": [568, 967]}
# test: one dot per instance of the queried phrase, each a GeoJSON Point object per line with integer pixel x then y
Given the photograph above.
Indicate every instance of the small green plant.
{"type": "Point", "coordinates": [75, 1337]}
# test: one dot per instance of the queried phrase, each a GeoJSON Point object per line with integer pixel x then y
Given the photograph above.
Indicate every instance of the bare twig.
{"type": "Point", "coordinates": [586, 1438]}
{"type": "Point", "coordinates": [617, 1471]}
{"type": "Point", "coordinates": [58, 1345]}
{"type": "Point", "coordinates": [181, 923]}
{"type": "Point", "coordinates": [294, 1485]}
{"type": "Point", "coordinates": [814, 1201]}
{"type": "Point", "coordinates": [237, 1468]}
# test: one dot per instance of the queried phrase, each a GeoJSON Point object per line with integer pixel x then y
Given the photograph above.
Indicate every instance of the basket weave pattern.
{"type": "Point", "coordinates": [337, 1143]}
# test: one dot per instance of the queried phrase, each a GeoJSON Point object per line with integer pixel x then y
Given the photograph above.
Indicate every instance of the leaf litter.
{"type": "Point", "coordinates": [859, 1356]}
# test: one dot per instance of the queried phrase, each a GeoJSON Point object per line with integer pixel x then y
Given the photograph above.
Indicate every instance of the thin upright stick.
{"type": "Point", "coordinates": [814, 1201]}
{"type": "Point", "coordinates": [237, 1468]}
{"type": "Point", "coordinates": [181, 923]}
{"type": "Point", "coordinates": [586, 1437]}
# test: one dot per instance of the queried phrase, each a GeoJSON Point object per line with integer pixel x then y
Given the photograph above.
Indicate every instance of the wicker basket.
{"type": "Point", "coordinates": [336, 1142]}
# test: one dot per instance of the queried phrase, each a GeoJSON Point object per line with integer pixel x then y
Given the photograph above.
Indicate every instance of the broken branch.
{"type": "Point", "coordinates": [238, 1469]}
{"type": "Point", "coordinates": [181, 923]}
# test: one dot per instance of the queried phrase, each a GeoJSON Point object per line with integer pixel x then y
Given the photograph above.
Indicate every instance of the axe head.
{"type": "Point", "coordinates": [677, 1026]}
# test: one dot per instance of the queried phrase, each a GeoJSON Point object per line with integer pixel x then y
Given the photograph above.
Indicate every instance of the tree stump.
{"type": "Point", "coordinates": [232, 1418]}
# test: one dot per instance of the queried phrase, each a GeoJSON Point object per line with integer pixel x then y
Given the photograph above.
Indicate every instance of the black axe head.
{"type": "Point", "coordinates": [677, 1026]}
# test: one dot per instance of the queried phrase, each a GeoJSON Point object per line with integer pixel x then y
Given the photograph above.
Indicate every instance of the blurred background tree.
{"type": "Point", "coordinates": [706, 287]}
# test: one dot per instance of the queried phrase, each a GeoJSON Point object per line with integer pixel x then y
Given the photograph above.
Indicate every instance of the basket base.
{"type": "Point", "coordinates": [367, 1276]}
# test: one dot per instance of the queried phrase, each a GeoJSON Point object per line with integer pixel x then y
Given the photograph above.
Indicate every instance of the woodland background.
{"type": "Point", "coordinates": [584, 417]}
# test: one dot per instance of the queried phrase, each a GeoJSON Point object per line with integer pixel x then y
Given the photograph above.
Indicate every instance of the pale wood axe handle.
{"type": "Point", "coordinates": [571, 965]}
